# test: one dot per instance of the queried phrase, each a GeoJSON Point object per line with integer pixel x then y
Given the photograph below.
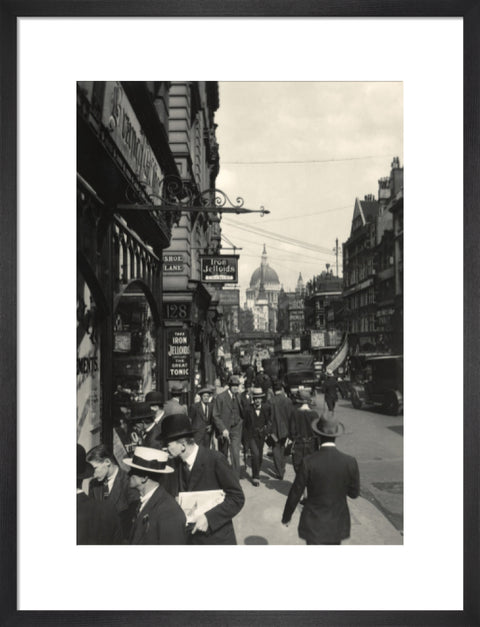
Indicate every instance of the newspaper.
{"type": "Point", "coordinates": [194, 503]}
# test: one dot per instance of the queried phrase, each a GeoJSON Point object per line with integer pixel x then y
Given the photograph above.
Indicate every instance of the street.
{"type": "Point", "coordinates": [376, 440]}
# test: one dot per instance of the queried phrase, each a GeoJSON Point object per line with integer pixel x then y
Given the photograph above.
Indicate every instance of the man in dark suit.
{"type": "Point", "coordinates": [228, 414]}
{"type": "Point", "coordinates": [159, 519]}
{"type": "Point", "coordinates": [282, 415]}
{"type": "Point", "coordinates": [329, 476]}
{"type": "Point", "coordinates": [97, 521]}
{"type": "Point", "coordinates": [111, 484]}
{"type": "Point", "coordinates": [256, 425]}
{"type": "Point", "coordinates": [330, 390]}
{"type": "Point", "coordinates": [201, 415]}
{"type": "Point", "coordinates": [200, 469]}
{"type": "Point", "coordinates": [155, 401]}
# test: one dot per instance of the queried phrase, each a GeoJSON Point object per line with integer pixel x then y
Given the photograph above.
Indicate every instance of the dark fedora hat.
{"type": "Point", "coordinates": [234, 380]}
{"type": "Point", "coordinates": [303, 396]}
{"type": "Point", "coordinates": [176, 388]}
{"type": "Point", "coordinates": [175, 426]}
{"type": "Point", "coordinates": [154, 398]}
{"type": "Point", "coordinates": [205, 390]}
{"type": "Point", "coordinates": [327, 426]}
{"type": "Point", "coordinates": [141, 411]}
{"type": "Point", "coordinates": [84, 469]}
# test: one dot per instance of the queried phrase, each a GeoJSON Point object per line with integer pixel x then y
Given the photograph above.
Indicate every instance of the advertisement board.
{"type": "Point", "coordinates": [178, 354]}
{"type": "Point", "coordinates": [219, 268]}
{"type": "Point", "coordinates": [317, 339]}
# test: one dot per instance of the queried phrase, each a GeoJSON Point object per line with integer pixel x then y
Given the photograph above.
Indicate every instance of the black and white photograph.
{"type": "Point", "coordinates": [240, 312]}
{"type": "Point", "coordinates": [266, 360]}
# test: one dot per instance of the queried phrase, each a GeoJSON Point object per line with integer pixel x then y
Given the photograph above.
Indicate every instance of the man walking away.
{"type": "Point", "coordinates": [304, 439]}
{"type": "Point", "coordinates": [329, 477]}
{"type": "Point", "coordinates": [282, 415]}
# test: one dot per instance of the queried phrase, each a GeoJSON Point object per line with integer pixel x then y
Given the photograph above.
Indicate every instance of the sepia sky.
{"type": "Point", "coordinates": [304, 151]}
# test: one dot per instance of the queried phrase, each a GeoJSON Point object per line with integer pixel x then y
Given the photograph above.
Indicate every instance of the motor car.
{"type": "Point", "coordinates": [379, 382]}
{"type": "Point", "coordinates": [297, 373]}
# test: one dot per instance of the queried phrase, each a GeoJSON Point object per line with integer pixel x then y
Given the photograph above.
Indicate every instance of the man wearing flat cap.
{"type": "Point", "coordinates": [159, 519]}
{"type": "Point", "coordinates": [228, 415]}
{"type": "Point", "coordinates": [202, 420]}
{"type": "Point", "coordinates": [200, 469]}
{"type": "Point", "coordinates": [329, 477]}
{"type": "Point", "coordinates": [173, 405]}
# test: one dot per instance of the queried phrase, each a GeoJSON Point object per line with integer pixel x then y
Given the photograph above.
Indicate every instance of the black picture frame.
{"type": "Point", "coordinates": [469, 10]}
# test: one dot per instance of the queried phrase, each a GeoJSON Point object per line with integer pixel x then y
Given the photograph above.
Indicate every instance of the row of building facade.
{"type": "Point", "coordinates": [145, 318]}
{"type": "Point", "coordinates": [367, 303]}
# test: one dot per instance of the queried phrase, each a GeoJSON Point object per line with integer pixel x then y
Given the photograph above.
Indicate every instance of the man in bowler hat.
{"type": "Point", "coordinates": [329, 477]}
{"type": "Point", "coordinates": [155, 400]}
{"type": "Point", "coordinates": [159, 519]}
{"type": "Point", "coordinates": [199, 469]}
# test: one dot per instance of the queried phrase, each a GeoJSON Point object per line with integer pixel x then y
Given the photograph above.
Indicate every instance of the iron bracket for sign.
{"type": "Point", "coordinates": [179, 195]}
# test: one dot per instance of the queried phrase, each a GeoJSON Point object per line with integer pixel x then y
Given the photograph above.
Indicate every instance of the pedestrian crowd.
{"type": "Point", "coordinates": [179, 482]}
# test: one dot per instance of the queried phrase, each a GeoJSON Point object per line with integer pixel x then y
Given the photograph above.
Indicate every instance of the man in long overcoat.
{"type": "Point", "coordinates": [199, 469]}
{"type": "Point", "coordinates": [282, 414]}
{"type": "Point", "coordinates": [228, 414]}
{"type": "Point", "coordinates": [329, 477]}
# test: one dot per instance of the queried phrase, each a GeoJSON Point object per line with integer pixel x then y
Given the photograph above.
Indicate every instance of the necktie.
{"type": "Point", "coordinates": [186, 473]}
{"type": "Point", "coordinates": [106, 490]}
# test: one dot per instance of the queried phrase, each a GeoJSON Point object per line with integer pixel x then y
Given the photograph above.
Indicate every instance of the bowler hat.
{"type": "Point", "coordinates": [327, 426]}
{"type": "Point", "coordinates": [141, 411]}
{"type": "Point", "coordinates": [84, 469]}
{"type": "Point", "coordinates": [257, 393]}
{"type": "Point", "coordinates": [154, 398]}
{"type": "Point", "coordinates": [149, 460]}
{"type": "Point", "coordinates": [234, 380]}
{"type": "Point", "coordinates": [175, 426]}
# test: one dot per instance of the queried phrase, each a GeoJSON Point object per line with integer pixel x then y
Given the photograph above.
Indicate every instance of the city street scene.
{"type": "Point", "coordinates": [240, 313]}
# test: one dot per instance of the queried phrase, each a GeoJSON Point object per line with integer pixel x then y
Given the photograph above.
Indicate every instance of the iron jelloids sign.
{"type": "Point", "coordinates": [219, 269]}
{"type": "Point", "coordinates": [178, 355]}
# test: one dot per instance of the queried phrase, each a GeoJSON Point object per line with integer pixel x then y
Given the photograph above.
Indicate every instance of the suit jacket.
{"type": "Point", "coordinates": [223, 416]}
{"type": "Point", "coordinates": [330, 388]}
{"type": "Point", "coordinates": [97, 522]}
{"type": "Point", "coordinates": [282, 414]}
{"type": "Point", "coordinates": [200, 420]}
{"type": "Point", "coordinates": [161, 521]}
{"type": "Point", "coordinates": [173, 406]}
{"type": "Point", "coordinates": [123, 497]}
{"type": "Point", "coordinates": [257, 426]}
{"type": "Point", "coordinates": [212, 472]}
{"type": "Point", "coordinates": [329, 476]}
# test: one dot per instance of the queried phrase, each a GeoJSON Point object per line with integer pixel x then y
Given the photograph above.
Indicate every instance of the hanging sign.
{"type": "Point", "coordinates": [219, 269]}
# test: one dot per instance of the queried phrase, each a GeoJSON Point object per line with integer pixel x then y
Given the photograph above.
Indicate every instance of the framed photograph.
{"type": "Point", "coordinates": [432, 48]}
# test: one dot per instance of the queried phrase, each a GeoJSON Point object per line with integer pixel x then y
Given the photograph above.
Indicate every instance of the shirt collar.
{"type": "Point", "coordinates": [190, 460]}
{"type": "Point", "coordinates": [328, 444]}
{"type": "Point", "coordinates": [146, 497]}
{"type": "Point", "coordinates": [111, 479]}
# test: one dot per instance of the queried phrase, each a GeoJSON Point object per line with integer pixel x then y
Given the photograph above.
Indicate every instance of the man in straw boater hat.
{"type": "Point", "coordinates": [159, 519]}
{"type": "Point", "coordinates": [329, 477]}
{"type": "Point", "coordinates": [256, 425]}
{"type": "Point", "coordinates": [200, 469]}
{"type": "Point", "coordinates": [201, 415]}
{"type": "Point", "coordinates": [302, 435]}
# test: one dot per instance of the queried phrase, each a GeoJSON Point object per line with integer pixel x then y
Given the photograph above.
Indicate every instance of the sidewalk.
{"type": "Point", "coordinates": [259, 522]}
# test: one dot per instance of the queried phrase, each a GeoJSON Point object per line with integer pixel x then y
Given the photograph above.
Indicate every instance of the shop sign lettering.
{"type": "Point", "coordinates": [173, 263]}
{"type": "Point", "coordinates": [219, 269]}
{"type": "Point", "coordinates": [178, 354]}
